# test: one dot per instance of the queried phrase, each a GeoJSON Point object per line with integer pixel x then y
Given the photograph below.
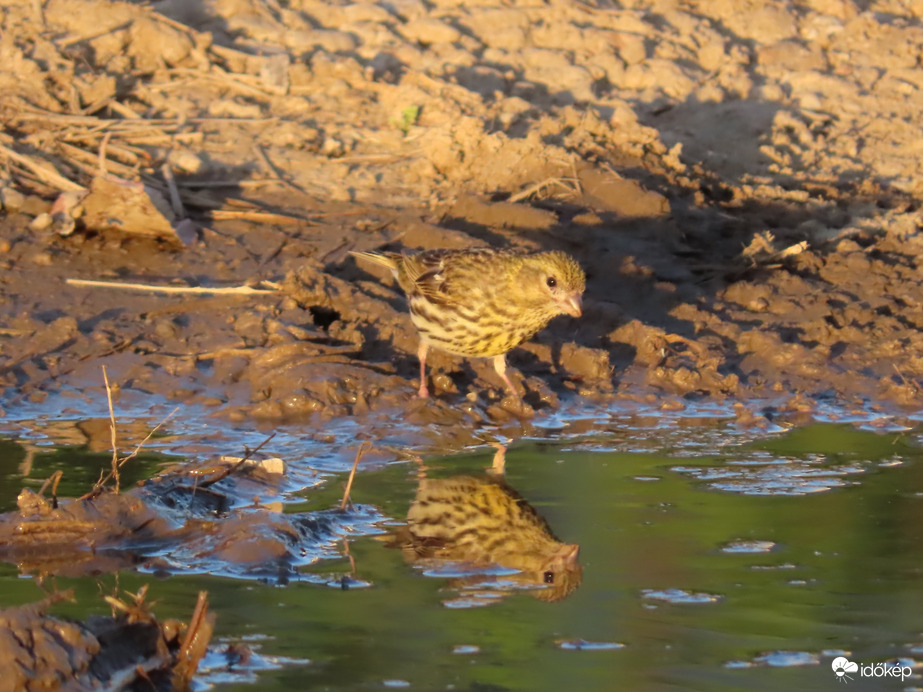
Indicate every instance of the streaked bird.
{"type": "Point", "coordinates": [480, 522]}
{"type": "Point", "coordinates": [481, 302]}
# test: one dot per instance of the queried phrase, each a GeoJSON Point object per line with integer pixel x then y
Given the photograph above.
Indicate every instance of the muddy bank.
{"type": "Point", "coordinates": [128, 651]}
{"type": "Point", "coordinates": [221, 516]}
{"type": "Point", "coordinates": [740, 186]}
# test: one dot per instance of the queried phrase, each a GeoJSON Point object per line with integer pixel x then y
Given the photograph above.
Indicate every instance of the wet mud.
{"type": "Point", "coordinates": [217, 517]}
{"type": "Point", "coordinates": [128, 651]}
{"type": "Point", "coordinates": [740, 184]}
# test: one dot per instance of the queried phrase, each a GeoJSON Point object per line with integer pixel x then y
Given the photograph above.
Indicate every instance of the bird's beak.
{"type": "Point", "coordinates": [566, 556]}
{"type": "Point", "coordinates": [570, 304]}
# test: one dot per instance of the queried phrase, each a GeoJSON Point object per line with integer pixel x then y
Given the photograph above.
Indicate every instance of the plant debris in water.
{"type": "Point", "coordinates": [131, 650]}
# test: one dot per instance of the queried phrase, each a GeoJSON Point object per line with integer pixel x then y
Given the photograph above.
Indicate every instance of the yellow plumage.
{"type": "Point", "coordinates": [482, 521]}
{"type": "Point", "coordinates": [481, 302]}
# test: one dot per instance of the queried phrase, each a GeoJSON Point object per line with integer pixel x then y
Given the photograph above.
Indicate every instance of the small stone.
{"type": "Point", "coordinates": [41, 222]}
{"type": "Point", "coordinates": [11, 199]}
{"type": "Point", "coordinates": [184, 161]}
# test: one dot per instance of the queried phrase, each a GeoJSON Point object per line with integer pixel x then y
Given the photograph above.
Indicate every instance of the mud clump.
{"type": "Point", "coordinates": [215, 515]}
{"type": "Point", "coordinates": [39, 651]}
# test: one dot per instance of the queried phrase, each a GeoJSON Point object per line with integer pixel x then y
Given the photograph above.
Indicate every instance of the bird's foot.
{"type": "Point", "coordinates": [423, 392]}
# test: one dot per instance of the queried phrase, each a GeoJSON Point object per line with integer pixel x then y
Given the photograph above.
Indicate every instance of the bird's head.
{"type": "Point", "coordinates": [556, 280]}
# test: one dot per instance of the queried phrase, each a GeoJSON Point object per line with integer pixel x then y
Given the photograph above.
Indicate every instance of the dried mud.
{"type": "Point", "coordinates": [677, 153]}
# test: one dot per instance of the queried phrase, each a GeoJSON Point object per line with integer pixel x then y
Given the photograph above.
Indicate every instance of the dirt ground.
{"type": "Point", "coordinates": [739, 180]}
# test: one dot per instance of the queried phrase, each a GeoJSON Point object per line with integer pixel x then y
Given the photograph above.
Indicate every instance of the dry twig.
{"type": "Point", "coordinates": [195, 642]}
{"type": "Point", "coordinates": [175, 201]}
{"type": "Point", "coordinates": [363, 448]}
{"type": "Point", "coordinates": [116, 462]}
{"type": "Point", "coordinates": [227, 471]}
{"type": "Point", "coordinates": [224, 290]}
{"type": "Point", "coordinates": [43, 170]}
{"type": "Point", "coordinates": [115, 450]}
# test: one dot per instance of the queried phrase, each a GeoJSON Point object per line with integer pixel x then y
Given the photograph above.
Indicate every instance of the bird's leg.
{"type": "Point", "coordinates": [500, 367]}
{"type": "Point", "coordinates": [499, 463]}
{"type": "Point", "coordinates": [421, 354]}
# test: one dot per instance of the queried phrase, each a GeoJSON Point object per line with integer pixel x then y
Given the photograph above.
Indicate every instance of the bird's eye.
{"type": "Point", "coordinates": [552, 282]}
{"type": "Point", "coordinates": [548, 577]}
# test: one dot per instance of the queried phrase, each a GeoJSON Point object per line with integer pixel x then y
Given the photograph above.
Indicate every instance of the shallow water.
{"type": "Point", "coordinates": [712, 563]}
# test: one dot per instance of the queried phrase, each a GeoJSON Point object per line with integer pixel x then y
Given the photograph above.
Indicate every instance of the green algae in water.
{"type": "Point", "coordinates": [29, 465]}
{"type": "Point", "coordinates": [745, 570]}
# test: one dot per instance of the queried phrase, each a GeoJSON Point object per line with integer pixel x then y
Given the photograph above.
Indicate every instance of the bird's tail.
{"type": "Point", "coordinates": [388, 260]}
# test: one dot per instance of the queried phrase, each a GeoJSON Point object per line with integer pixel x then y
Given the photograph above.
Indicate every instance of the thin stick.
{"type": "Point", "coordinates": [363, 448]}
{"type": "Point", "coordinates": [224, 473]}
{"type": "Point", "coordinates": [226, 290]}
{"type": "Point", "coordinates": [45, 172]}
{"type": "Point", "coordinates": [268, 217]}
{"type": "Point", "coordinates": [137, 449]}
{"type": "Point", "coordinates": [175, 200]}
{"type": "Point", "coordinates": [102, 153]}
{"type": "Point", "coordinates": [115, 449]}
{"type": "Point", "coordinates": [103, 479]}
{"type": "Point", "coordinates": [198, 634]}
{"type": "Point", "coordinates": [228, 183]}
{"type": "Point", "coordinates": [53, 481]}
{"type": "Point", "coordinates": [532, 189]}
{"type": "Point", "coordinates": [352, 560]}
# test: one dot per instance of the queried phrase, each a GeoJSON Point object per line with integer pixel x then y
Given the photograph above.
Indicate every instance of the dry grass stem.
{"type": "Point", "coordinates": [363, 448]}
{"type": "Point", "coordinates": [225, 290]}
{"type": "Point", "coordinates": [251, 182]}
{"type": "Point", "coordinates": [117, 463]}
{"type": "Point", "coordinates": [115, 450]}
{"type": "Point", "coordinates": [175, 201]}
{"type": "Point", "coordinates": [102, 153]}
{"type": "Point", "coordinates": [194, 643]}
{"type": "Point", "coordinates": [143, 442]}
{"type": "Point", "coordinates": [53, 481]}
{"type": "Point", "coordinates": [352, 560]}
{"type": "Point", "coordinates": [262, 216]}
{"type": "Point", "coordinates": [533, 189]}
{"type": "Point", "coordinates": [227, 471]}
{"type": "Point", "coordinates": [43, 170]}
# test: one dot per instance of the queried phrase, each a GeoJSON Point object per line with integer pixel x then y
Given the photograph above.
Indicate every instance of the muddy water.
{"type": "Point", "coordinates": [709, 561]}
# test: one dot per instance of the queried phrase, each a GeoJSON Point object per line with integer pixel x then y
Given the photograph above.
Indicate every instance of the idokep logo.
{"type": "Point", "coordinates": [842, 667]}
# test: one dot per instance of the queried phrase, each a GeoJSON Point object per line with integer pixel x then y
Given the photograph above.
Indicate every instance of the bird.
{"type": "Point", "coordinates": [481, 521]}
{"type": "Point", "coordinates": [483, 302]}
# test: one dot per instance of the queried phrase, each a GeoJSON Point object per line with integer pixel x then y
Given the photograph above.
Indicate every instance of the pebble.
{"type": "Point", "coordinates": [41, 222]}
{"type": "Point", "coordinates": [11, 200]}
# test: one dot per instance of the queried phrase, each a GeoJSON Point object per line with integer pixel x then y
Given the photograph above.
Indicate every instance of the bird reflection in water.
{"type": "Point", "coordinates": [468, 526]}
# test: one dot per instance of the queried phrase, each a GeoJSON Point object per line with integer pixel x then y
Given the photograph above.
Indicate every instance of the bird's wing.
{"type": "Point", "coordinates": [427, 273]}
{"type": "Point", "coordinates": [385, 259]}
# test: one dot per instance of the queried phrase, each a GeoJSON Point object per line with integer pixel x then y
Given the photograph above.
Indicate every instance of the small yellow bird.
{"type": "Point", "coordinates": [481, 521]}
{"type": "Point", "coordinates": [481, 302]}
